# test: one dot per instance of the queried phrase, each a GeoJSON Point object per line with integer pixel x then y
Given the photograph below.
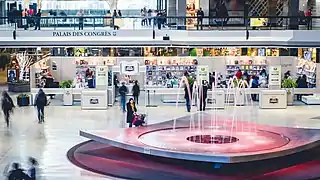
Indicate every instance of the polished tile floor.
{"type": "Point", "coordinates": [50, 142]}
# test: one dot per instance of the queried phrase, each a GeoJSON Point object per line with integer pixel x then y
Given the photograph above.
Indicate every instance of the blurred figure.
{"type": "Point", "coordinates": [119, 13]}
{"type": "Point", "coordinates": [239, 74]}
{"type": "Point", "coordinates": [80, 15]}
{"type": "Point", "coordinates": [17, 173]}
{"type": "Point", "coordinates": [149, 16]}
{"type": "Point", "coordinates": [309, 19]}
{"type": "Point", "coordinates": [200, 15]}
{"type": "Point", "coordinates": [32, 170]}
{"type": "Point", "coordinates": [136, 92]}
{"type": "Point", "coordinates": [203, 95]}
{"type": "Point", "coordinates": [254, 84]}
{"type": "Point", "coordinates": [7, 106]}
{"type": "Point", "coordinates": [37, 20]}
{"type": "Point", "coordinates": [40, 103]}
{"type": "Point", "coordinates": [301, 83]}
{"type": "Point", "coordinates": [123, 90]}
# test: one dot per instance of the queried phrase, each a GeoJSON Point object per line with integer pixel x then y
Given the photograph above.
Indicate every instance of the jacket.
{"type": "Point", "coordinates": [130, 112]}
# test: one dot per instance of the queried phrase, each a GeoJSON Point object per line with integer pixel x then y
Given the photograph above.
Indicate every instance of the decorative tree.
{"type": "Point", "coordinates": [24, 61]}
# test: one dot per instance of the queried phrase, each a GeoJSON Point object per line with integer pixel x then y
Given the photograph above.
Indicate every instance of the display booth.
{"type": "Point", "coordinates": [166, 72]}
{"type": "Point", "coordinates": [76, 78]}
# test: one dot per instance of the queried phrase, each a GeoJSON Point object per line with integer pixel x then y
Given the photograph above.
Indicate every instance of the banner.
{"type": "Point", "coordinates": [129, 68]}
{"type": "Point", "coordinates": [101, 76]}
{"type": "Point", "coordinates": [202, 73]}
{"type": "Point", "coordinates": [274, 75]}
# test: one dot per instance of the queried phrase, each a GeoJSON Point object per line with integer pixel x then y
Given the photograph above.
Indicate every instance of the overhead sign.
{"type": "Point", "coordinates": [83, 33]}
{"type": "Point", "coordinates": [129, 68]}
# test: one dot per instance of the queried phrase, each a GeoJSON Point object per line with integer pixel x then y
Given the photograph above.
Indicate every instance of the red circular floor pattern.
{"type": "Point", "coordinates": [112, 161]}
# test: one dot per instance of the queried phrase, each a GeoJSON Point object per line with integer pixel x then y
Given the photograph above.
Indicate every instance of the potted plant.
{"type": "Point", "coordinates": [66, 84]}
{"type": "Point", "coordinates": [23, 100]}
{"type": "Point", "coordinates": [289, 84]}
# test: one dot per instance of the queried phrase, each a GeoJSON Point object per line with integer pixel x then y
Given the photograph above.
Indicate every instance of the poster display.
{"type": "Point", "coordinates": [275, 75]}
{"type": "Point", "coordinates": [101, 76]}
{"type": "Point", "coordinates": [129, 68]}
{"type": "Point", "coordinates": [202, 73]}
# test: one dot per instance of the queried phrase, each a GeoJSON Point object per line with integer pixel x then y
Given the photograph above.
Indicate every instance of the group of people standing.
{"type": "Point", "coordinates": [31, 18]}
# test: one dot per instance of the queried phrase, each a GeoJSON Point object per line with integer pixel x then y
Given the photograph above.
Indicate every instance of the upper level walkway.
{"type": "Point", "coordinates": [168, 23]}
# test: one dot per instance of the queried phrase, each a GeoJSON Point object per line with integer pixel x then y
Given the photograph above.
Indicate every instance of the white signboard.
{"type": "Point", "coordinates": [129, 68]}
{"type": "Point", "coordinates": [202, 73]}
{"type": "Point", "coordinates": [101, 76]}
{"type": "Point", "coordinates": [275, 75]}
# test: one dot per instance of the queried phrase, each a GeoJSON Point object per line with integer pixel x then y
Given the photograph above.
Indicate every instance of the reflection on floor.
{"type": "Point", "coordinates": [50, 142]}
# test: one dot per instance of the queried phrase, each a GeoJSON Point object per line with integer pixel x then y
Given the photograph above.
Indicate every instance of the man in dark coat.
{"type": "Point", "coordinates": [40, 103]}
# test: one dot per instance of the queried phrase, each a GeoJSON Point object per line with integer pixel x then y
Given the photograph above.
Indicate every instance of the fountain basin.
{"type": "Point", "coordinates": [255, 141]}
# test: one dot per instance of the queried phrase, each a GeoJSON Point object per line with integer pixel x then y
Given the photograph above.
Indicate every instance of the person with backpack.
{"type": "Point", "coordinates": [7, 106]}
{"type": "Point", "coordinates": [40, 103]}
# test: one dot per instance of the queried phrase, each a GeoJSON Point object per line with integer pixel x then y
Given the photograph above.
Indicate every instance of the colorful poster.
{"type": "Point", "coordinates": [275, 76]}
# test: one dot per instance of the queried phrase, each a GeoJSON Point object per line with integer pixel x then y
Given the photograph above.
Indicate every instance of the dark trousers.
{"type": "Point", "coordinates": [136, 99]}
{"type": "Point", "coordinates": [40, 110]}
{"type": "Point", "coordinates": [188, 104]}
{"type": "Point", "coordinates": [123, 102]}
{"type": "Point", "coordinates": [199, 23]}
{"type": "Point", "coordinates": [130, 124]}
{"type": "Point", "coordinates": [309, 23]}
{"type": "Point", "coordinates": [6, 116]}
{"type": "Point", "coordinates": [203, 104]}
{"type": "Point", "coordinates": [159, 24]}
{"type": "Point", "coordinates": [37, 25]}
{"type": "Point", "coordinates": [80, 25]}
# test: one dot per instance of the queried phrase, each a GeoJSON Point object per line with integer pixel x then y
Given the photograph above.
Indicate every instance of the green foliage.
{"type": "Point", "coordinates": [66, 84]}
{"type": "Point", "coordinates": [288, 83]}
{"type": "Point", "coordinates": [190, 80]}
{"type": "Point", "coordinates": [5, 59]}
{"type": "Point", "coordinates": [23, 96]}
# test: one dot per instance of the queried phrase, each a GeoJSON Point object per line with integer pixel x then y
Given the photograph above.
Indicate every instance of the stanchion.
{"type": "Point", "coordinates": [148, 96]}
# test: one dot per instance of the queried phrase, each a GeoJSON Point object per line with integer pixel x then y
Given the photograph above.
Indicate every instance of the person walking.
{"type": "Point", "coordinates": [17, 173]}
{"type": "Point", "coordinates": [7, 106]}
{"type": "Point", "coordinates": [80, 15]}
{"type": "Point", "coordinates": [188, 95]}
{"type": "Point", "coordinates": [136, 92]}
{"type": "Point", "coordinates": [200, 15]}
{"type": "Point", "coordinates": [131, 110]}
{"type": "Point", "coordinates": [203, 95]}
{"type": "Point", "coordinates": [123, 90]}
{"type": "Point", "coordinates": [32, 170]}
{"type": "Point", "coordinates": [37, 20]}
{"type": "Point", "coordinates": [40, 103]}
{"type": "Point", "coordinates": [301, 83]}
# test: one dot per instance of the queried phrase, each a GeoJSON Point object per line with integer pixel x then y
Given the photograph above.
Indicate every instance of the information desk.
{"type": "Point", "coordinates": [94, 99]}
{"type": "Point", "coordinates": [216, 98]}
{"type": "Point", "coordinates": [273, 99]}
{"type": "Point", "coordinates": [67, 93]}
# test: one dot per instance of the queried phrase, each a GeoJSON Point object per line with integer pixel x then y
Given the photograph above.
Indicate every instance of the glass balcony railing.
{"type": "Point", "coordinates": [160, 23]}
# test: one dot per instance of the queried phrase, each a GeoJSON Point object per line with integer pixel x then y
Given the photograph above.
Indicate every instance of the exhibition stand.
{"type": "Point", "coordinates": [273, 99]}
{"type": "Point", "coordinates": [94, 99]}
